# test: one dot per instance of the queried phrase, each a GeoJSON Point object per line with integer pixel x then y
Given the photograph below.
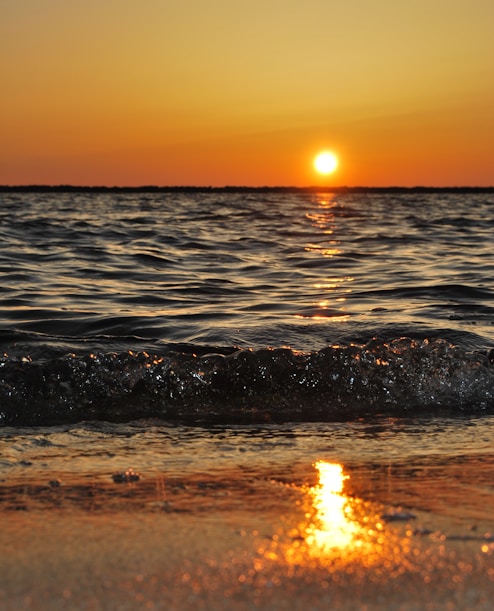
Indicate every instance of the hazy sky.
{"type": "Point", "coordinates": [189, 92]}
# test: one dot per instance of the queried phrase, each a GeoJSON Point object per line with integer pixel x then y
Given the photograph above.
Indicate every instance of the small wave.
{"type": "Point", "coordinates": [402, 377]}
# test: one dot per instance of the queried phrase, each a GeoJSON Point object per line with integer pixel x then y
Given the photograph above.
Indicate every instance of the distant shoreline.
{"type": "Point", "coordinates": [235, 189]}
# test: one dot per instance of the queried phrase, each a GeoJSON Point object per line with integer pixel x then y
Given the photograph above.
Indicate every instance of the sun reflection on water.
{"type": "Point", "coordinates": [336, 529]}
{"type": "Point", "coordinates": [332, 526]}
{"type": "Point", "coordinates": [326, 243]}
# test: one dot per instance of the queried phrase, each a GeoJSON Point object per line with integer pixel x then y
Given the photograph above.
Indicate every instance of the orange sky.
{"type": "Point", "coordinates": [225, 92]}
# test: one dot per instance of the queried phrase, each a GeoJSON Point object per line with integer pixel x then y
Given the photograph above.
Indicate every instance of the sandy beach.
{"type": "Point", "coordinates": [237, 538]}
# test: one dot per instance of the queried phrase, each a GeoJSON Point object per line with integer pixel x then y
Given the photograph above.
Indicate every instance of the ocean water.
{"type": "Point", "coordinates": [224, 306]}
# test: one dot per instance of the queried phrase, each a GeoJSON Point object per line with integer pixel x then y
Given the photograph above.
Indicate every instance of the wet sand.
{"type": "Point", "coordinates": [245, 539]}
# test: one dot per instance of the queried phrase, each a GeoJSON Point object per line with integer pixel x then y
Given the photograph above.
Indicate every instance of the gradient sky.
{"type": "Point", "coordinates": [234, 92]}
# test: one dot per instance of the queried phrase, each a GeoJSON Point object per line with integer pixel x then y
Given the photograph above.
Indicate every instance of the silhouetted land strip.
{"type": "Point", "coordinates": [235, 189]}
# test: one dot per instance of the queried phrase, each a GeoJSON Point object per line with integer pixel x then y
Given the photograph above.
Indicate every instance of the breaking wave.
{"type": "Point", "coordinates": [196, 384]}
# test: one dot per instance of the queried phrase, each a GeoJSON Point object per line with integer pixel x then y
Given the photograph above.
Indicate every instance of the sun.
{"type": "Point", "coordinates": [325, 162]}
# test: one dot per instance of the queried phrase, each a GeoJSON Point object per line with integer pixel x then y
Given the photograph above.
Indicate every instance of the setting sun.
{"type": "Point", "coordinates": [326, 163]}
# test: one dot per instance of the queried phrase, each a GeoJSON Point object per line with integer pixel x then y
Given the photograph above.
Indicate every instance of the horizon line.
{"type": "Point", "coordinates": [243, 188]}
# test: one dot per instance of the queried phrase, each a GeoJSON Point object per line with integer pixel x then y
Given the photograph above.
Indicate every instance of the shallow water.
{"type": "Point", "coordinates": [389, 461]}
{"type": "Point", "coordinates": [153, 445]}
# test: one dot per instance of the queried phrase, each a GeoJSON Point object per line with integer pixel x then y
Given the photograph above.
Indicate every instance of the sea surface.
{"type": "Point", "coordinates": [224, 306]}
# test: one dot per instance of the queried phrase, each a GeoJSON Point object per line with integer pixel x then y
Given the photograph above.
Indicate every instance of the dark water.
{"type": "Point", "coordinates": [254, 307]}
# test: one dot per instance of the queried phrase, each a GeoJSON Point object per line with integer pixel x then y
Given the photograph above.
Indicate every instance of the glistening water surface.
{"type": "Point", "coordinates": [253, 270]}
{"type": "Point", "coordinates": [234, 306]}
